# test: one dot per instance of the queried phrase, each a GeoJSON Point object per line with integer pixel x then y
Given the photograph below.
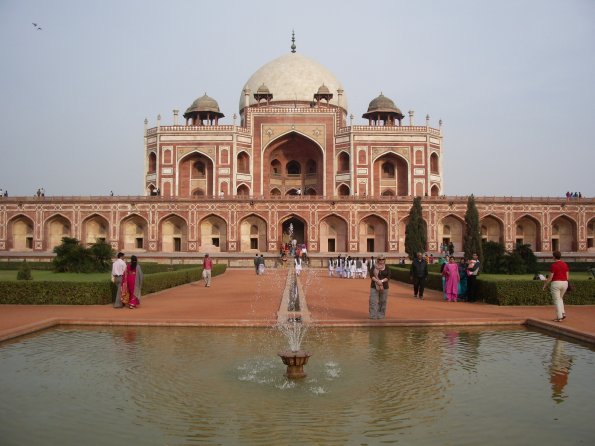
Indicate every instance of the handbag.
{"type": "Point", "coordinates": [570, 288]}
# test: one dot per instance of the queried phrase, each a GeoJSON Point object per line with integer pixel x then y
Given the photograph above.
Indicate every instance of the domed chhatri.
{"type": "Point", "coordinates": [203, 109]}
{"type": "Point", "coordinates": [263, 94]}
{"type": "Point", "coordinates": [293, 78]}
{"type": "Point", "coordinates": [384, 109]}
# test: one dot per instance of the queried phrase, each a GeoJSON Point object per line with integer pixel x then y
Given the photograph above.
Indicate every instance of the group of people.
{"type": "Point", "coordinates": [40, 192]}
{"type": "Point", "coordinates": [128, 280]}
{"type": "Point", "coordinates": [459, 280]}
{"type": "Point", "coordinates": [259, 265]}
{"type": "Point", "coordinates": [570, 195]}
{"type": "Point", "coordinates": [3, 193]}
{"type": "Point", "coordinates": [349, 267]}
{"type": "Point", "coordinates": [447, 249]}
{"type": "Point", "coordinates": [294, 250]}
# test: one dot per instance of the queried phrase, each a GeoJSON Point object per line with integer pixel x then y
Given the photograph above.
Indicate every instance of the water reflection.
{"type": "Point", "coordinates": [559, 370]}
{"type": "Point", "coordinates": [156, 386]}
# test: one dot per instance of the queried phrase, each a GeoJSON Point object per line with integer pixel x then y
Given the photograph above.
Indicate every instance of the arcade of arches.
{"type": "Point", "coordinates": [241, 226]}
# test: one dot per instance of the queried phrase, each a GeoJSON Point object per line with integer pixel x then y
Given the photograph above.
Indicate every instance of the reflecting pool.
{"type": "Point", "coordinates": [365, 386]}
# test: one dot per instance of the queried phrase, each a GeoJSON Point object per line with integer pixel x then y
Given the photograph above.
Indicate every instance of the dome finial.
{"type": "Point", "coordinates": [293, 47]}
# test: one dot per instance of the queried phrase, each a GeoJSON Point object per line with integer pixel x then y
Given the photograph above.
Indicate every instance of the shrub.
{"type": "Point", "coordinates": [24, 272]}
{"type": "Point", "coordinates": [512, 292]}
{"type": "Point", "coordinates": [91, 293]}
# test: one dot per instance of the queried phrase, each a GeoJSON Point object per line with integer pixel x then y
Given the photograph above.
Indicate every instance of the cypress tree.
{"type": "Point", "coordinates": [472, 238]}
{"type": "Point", "coordinates": [415, 231]}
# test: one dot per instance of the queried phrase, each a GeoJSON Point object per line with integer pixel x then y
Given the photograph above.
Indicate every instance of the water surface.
{"type": "Point", "coordinates": [368, 386]}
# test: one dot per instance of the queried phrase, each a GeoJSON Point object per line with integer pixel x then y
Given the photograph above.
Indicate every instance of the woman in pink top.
{"type": "Point", "coordinates": [559, 276]}
{"type": "Point", "coordinates": [451, 273]}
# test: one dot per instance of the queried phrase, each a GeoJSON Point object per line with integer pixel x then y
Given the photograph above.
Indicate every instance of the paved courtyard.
{"type": "Point", "coordinates": [241, 298]}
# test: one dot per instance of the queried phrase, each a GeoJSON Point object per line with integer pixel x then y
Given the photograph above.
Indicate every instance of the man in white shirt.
{"type": "Point", "coordinates": [118, 268]}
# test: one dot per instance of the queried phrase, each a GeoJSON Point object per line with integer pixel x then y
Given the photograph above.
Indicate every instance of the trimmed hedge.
{"type": "Point", "coordinates": [15, 265]}
{"type": "Point", "coordinates": [512, 292]}
{"type": "Point", "coordinates": [91, 293]}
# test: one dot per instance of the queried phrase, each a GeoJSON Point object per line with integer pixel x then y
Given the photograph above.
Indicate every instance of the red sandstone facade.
{"type": "Point", "coordinates": [292, 159]}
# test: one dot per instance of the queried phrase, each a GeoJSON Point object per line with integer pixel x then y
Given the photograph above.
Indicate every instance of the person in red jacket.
{"type": "Point", "coordinates": [558, 280]}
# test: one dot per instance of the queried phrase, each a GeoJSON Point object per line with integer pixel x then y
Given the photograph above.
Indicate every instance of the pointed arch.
{"type": "Point", "coordinates": [243, 190]}
{"type": "Point", "coordinates": [343, 190]}
{"type": "Point", "coordinates": [173, 233]}
{"type": "Point", "coordinates": [435, 191]}
{"type": "Point", "coordinates": [564, 234]}
{"type": "Point", "coordinates": [21, 230]}
{"type": "Point", "coordinates": [299, 225]}
{"type": "Point", "coordinates": [95, 228]}
{"type": "Point", "coordinates": [527, 231]}
{"type": "Point", "coordinates": [451, 229]}
{"type": "Point", "coordinates": [295, 159]}
{"type": "Point", "coordinates": [195, 172]}
{"type": "Point", "coordinates": [390, 171]}
{"type": "Point", "coordinates": [213, 234]}
{"type": "Point", "coordinates": [343, 162]}
{"type": "Point", "coordinates": [56, 228]}
{"type": "Point", "coordinates": [492, 229]}
{"type": "Point", "coordinates": [133, 233]}
{"type": "Point", "coordinates": [253, 233]}
{"type": "Point", "coordinates": [373, 234]}
{"type": "Point", "coordinates": [333, 233]}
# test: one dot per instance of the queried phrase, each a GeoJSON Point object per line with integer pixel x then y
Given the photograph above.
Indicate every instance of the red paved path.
{"type": "Point", "coordinates": [239, 297]}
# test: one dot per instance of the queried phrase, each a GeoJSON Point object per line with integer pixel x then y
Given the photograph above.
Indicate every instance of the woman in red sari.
{"type": "Point", "coordinates": [132, 282]}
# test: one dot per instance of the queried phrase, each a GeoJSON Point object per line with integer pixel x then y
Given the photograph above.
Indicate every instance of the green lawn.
{"type": "Point", "coordinates": [57, 277]}
{"type": "Point", "coordinates": [500, 277]}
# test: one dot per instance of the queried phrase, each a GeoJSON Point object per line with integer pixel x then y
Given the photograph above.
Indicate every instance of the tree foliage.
{"type": "Point", "coordinates": [472, 237]}
{"type": "Point", "coordinates": [415, 231]}
{"type": "Point", "coordinates": [71, 256]}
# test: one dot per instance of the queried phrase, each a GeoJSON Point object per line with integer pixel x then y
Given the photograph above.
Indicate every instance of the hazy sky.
{"type": "Point", "coordinates": [513, 81]}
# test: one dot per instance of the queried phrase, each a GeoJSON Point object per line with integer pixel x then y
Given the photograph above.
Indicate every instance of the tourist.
{"type": "Point", "coordinates": [378, 288]}
{"type": "Point", "coordinates": [331, 267]}
{"type": "Point", "coordinates": [472, 273]}
{"type": "Point", "coordinates": [207, 267]}
{"type": "Point", "coordinates": [358, 267]}
{"type": "Point", "coordinates": [418, 275]}
{"type": "Point", "coordinates": [442, 262]}
{"type": "Point", "coordinates": [298, 265]}
{"type": "Point", "coordinates": [261, 265]}
{"type": "Point", "coordinates": [132, 282]}
{"type": "Point", "coordinates": [451, 273]}
{"type": "Point", "coordinates": [118, 268]}
{"type": "Point", "coordinates": [451, 248]}
{"type": "Point", "coordinates": [365, 268]}
{"type": "Point", "coordinates": [256, 263]}
{"type": "Point", "coordinates": [558, 281]}
{"type": "Point", "coordinates": [462, 292]}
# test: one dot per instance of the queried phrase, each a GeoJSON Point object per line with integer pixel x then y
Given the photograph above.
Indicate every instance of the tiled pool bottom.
{"type": "Point", "coordinates": [185, 386]}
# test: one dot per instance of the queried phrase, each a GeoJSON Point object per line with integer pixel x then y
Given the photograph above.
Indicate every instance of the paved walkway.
{"type": "Point", "coordinates": [241, 298]}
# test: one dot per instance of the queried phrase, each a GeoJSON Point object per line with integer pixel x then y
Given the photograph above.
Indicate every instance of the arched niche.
{"type": "Point", "coordinates": [56, 228]}
{"type": "Point", "coordinates": [373, 234]}
{"type": "Point", "coordinates": [133, 234]}
{"type": "Point", "coordinates": [434, 165]}
{"type": "Point", "coordinates": [295, 161]}
{"type": "Point", "coordinates": [527, 231]}
{"type": "Point", "coordinates": [391, 172]}
{"type": "Point", "coordinates": [333, 234]}
{"type": "Point", "coordinates": [173, 234]}
{"type": "Point", "coordinates": [195, 175]}
{"type": "Point", "coordinates": [253, 234]}
{"type": "Point", "coordinates": [20, 233]}
{"type": "Point", "coordinates": [243, 162]}
{"type": "Point", "coordinates": [213, 234]}
{"type": "Point", "coordinates": [95, 228]}
{"type": "Point", "coordinates": [451, 230]}
{"type": "Point", "coordinates": [564, 234]}
{"type": "Point", "coordinates": [492, 229]}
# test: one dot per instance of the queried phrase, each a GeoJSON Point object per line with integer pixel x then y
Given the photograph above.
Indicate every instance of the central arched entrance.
{"type": "Point", "coordinates": [292, 165]}
{"type": "Point", "coordinates": [292, 228]}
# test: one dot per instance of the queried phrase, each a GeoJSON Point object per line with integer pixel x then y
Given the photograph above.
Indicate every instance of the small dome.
{"type": "Point", "coordinates": [383, 104]}
{"type": "Point", "coordinates": [203, 104]}
{"type": "Point", "coordinates": [383, 108]}
{"type": "Point", "coordinates": [323, 90]}
{"type": "Point", "coordinates": [263, 90]}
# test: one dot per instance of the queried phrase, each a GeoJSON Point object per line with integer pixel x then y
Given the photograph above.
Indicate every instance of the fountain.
{"type": "Point", "coordinates": [292, 321]}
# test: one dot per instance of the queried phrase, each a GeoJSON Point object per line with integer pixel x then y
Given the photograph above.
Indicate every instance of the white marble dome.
{"type": "Point", "coordinates": [293, 77]}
